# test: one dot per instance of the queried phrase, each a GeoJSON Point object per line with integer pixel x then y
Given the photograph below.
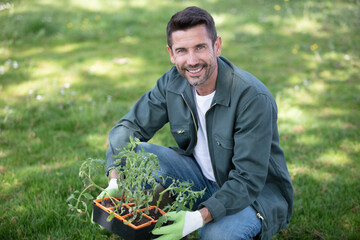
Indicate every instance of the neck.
{"type": "Point", "coordinates": [204, 92]}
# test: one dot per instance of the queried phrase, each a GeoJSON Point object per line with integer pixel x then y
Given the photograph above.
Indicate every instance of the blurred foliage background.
{"type": "Point", "coordinates": [70, 69]}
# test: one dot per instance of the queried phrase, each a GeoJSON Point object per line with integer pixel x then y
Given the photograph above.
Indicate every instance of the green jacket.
{"type": "Point", "coordinates": [248, 162]}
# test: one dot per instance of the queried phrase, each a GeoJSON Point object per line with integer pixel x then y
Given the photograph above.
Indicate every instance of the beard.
{"type": "Point", "coordinates": [197, 80]}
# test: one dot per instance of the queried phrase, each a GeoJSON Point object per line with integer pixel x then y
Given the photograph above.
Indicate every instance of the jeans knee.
{"type": "Point", "coordinates": [143, 146]}
{"type": "Point", "coordinates": [223, 234]}
{"type": "Point", "coordinates": [242, 225]}
{"type": "Point", "coordinates": [214, 234]}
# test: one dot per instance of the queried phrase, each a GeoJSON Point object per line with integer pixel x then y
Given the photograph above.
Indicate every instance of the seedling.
{"type": "Point", "coordinates": [185, 198]}
{"type": "Point", "coordinates": [137, 187]}
{"type": "Point", "coordinates": [78, 201]}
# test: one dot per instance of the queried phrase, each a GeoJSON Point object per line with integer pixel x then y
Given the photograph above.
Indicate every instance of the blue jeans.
{"type": "Point", "coordinates": [242, 225]}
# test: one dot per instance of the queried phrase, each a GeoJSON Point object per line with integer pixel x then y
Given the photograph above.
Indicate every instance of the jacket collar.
{"type": "Point", "coordinates": [181, 86]}
{"type": "Point", "coordinates": [223, 82]}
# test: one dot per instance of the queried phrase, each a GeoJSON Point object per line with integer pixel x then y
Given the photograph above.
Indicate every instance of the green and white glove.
{"type": "Point", "coordinates": [185, 222]}
{"type": "Point", "coordinates": [111, 190]}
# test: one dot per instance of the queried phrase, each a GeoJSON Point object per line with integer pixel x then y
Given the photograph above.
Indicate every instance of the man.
{"type": "Point", "coordinates": [224, 121]}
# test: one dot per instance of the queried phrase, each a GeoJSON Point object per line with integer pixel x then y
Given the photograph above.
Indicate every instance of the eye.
{"type": "Point", "coordinates": [180, 50]}
{"type": "Point", "coordinates": [201, 47]}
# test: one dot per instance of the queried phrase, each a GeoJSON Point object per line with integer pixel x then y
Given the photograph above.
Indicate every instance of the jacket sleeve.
{"type": "Point", "coordinates": [145, 118]}
{"type": "Point", "coordinates": [252, 136]}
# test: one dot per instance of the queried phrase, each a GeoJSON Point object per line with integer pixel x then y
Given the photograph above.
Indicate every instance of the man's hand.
{"type": "Point", "coordinates": [185, 222]}
{"type": "Point", "coordinates": [111, 190]}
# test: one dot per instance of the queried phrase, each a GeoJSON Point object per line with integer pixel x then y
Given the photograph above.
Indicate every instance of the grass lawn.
{"type": "Point", "coordinates": [70, 69]}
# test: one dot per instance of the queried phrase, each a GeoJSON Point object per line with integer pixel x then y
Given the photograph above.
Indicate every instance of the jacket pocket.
{"type": "Point", "coordinates": [223, 153]}
{"type": "Point", "coordinates": [181, 135]}
{"type": "Point", "coordinates": [221, 142]}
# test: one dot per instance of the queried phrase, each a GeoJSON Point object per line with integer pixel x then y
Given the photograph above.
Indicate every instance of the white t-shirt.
{"type": "Point", "coordinates": [201, 153]}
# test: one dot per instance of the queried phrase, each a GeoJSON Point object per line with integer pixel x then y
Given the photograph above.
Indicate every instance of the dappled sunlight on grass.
{"type": "Point", "coordinates": [350, 146]}
{"type": "Point", "coordinates": [334, 157]}
{"type": "Point", "coordinates": [3, 155]}
{"type": "Point", "coordinates": [30, 52]}
{"type": "Point", "coordinates": [310, 140]}
{"type": "Point", "coordinates": [220, 19]}
{"type": "Point", "coordinates": [103, 6]}
{"type": "Point", "coordinates": [26, 89]}
{"type": "Point", "coordinates": [295, 170]}
{"type": "Point", "coordinates": [303, 25]}
{"type": "Point", "coordinates": [4, 51]}
{"type": "Point", "coordinates": [99, 68]}
{"type": "Point", "coordinates": [46, 68]}
{"type": "Point", "coordinates": [42, 87]}
{"type": "Point", "coordinates": [70, 69]}
{"type": "Point", "coordinates": [129, 40]}
{"type": "Point", "coordinates": [252, 29]}
{"type": "Point", "coordinates": [67, 48]}
{"type": "Point", "coordinates": [315, 173]}
{"type": "Point", "coordinates": [97, 141]}
{"type": "Point", "coordinates": [289, 113]}
{"type": "Point", "coordinates": [10, 182]}
{"type": "Point", "coordinates": [311, 59]}
{"type": "Point", "coordinates": [139, 3]}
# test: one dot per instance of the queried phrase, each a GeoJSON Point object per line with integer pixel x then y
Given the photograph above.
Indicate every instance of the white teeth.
{"type": "Point", "coordinates": [195, 71]}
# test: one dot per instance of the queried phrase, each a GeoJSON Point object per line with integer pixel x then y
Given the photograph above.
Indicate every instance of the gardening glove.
{"type": "Point", "coordinates": [111, 190]}
{"type": "Point", "coordinates": [185, 222]}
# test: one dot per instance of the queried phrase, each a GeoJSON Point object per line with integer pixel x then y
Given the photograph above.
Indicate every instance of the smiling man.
{"type": "Point", "coordinates": [195, 55]}
{"type": "Point", "coordinates": [224, 121]}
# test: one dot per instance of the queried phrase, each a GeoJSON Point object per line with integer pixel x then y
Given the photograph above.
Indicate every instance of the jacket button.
{"type": "Point", "coordinates": [218, 143]}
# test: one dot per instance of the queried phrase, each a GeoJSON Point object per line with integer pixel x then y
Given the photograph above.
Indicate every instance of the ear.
{"type": "Point", "coordinates": [172, 58]}
{"type": "Point", "coordinates": [217, 46]}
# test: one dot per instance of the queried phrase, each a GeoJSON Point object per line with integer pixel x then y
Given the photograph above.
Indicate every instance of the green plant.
{"type": "Point", "coordinates": [139, 182]}
{"type": "Point", "coordinates": [43, 142]}
{"type": "Point", "coordinates": [184, 198]}
{"type": "Point", "coordinates": [78, 201]}
{"type": "Point", "coordinates": [138, 186]}
{"type": "Point", "coordinates": [183, 194]}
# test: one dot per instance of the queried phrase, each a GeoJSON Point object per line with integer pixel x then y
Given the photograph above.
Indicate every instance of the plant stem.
{"type": "Point", "coordinates": [83, 191]}
{"type": "Point", "coordinates": [161, 196]}
{"type": "Point", "coordinates": [93, 184]}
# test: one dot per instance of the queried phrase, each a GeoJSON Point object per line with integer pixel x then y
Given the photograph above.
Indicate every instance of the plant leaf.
{"type": "Point", "coordinates": [160, 221]}
{"type": "Point", "coordinates": [110, 217]}
{"type": "Point", "coordinates": [88, 196]}
{"type": "Point", "coordinates": [72, 196]}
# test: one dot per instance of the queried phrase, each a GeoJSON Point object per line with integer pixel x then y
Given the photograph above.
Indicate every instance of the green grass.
{"type": "Point", "coordinates": [70, 69]}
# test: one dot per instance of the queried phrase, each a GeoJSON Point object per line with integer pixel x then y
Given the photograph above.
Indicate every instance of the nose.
{"type": "Point", "coordinates": [193, 58]}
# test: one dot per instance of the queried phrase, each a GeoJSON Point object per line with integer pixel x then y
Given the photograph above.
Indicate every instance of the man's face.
{"type": "Point", "coordinates": [194, 55]}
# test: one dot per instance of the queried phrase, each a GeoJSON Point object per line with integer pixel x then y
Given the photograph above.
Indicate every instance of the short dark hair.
{"type": "Point", "coordinates": [188, 18]}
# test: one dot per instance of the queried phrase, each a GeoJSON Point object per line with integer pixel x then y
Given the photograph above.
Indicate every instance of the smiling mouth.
{"type": "Point", "coordinates": [195, 69]}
